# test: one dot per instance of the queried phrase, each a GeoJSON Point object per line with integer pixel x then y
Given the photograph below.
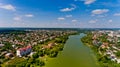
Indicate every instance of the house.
{"type": "Point", "coordinates": [24, 51]}
{"type": "Point", "coordinates": [104, 45]}
{"type": "Point", "coordinates": [1, 45]}
{"type": "Point", "coordinates": [9, 55]}
{"type": "Point", "coordinates": [50, 45]}
{"type": "Point", "coordinates": [118, 35]}
{"type": "Point", "coordinates": [108, 52]}
{"type": "Point", "coordinates": [94, 37]}
{"type": "Point", "coordinates": [113, 58]}
{"type": "Point", "coordinates": [118, 61]}
{"type": "Point", "coordinates": [13, 46]}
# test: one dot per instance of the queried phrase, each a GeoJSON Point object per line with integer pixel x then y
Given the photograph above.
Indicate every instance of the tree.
{"type": "Point", "coordinates": [31, 60]}
{"type": "Point", "coordinates": [39, 63]}
{"type": "Point", "coordinates": [53, 53]}
{"type": "Point", "coordinates": [27, 65]}
{"type": "Point", "coordinates": [35, 55]}
{"type": "Point", "coordinates": [118, 54]}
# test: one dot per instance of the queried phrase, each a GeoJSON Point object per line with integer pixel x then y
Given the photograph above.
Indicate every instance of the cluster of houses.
{"type": "Point", "coordinates": [20, 45]}
{"type": "Point", "coordinates": [111, 47]}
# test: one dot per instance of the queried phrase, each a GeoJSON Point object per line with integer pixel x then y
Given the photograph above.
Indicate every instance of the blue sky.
{"type": "Point", "coordinates": [60, 13]}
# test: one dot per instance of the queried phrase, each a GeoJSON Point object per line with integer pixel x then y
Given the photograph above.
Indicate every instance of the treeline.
{"type": "Point", "coordinates": [12, 32]}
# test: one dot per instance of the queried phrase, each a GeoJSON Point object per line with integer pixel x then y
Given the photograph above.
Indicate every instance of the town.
{"type": "Point", "coordinates": [16, 47]}
{"type": "Point", "coordinates": [106, 45]}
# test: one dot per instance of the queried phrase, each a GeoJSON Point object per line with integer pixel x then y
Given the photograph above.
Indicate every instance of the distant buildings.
{"type": "Point", "coordinates": [24, 51]}
{"type": "Point", "coordinates": [109, 42]}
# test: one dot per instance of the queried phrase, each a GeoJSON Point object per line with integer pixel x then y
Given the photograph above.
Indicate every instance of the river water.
{"type": "Point", "coordinates": [75, 54]}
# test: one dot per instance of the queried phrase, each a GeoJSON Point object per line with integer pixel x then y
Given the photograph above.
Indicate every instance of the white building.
{"type": "Point", "coordinates": [24, 51]}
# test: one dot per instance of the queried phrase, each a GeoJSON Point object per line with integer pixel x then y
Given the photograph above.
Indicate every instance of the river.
{"type": "Point", "coordinates": [75, 54]}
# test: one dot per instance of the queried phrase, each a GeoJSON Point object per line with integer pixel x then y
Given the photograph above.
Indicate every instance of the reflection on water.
{"type": "Point", "coordinates": [75, 54]}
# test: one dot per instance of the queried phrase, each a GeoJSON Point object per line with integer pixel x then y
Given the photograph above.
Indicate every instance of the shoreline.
{"type": "Point", "coordinates": [102, 60]}
{"type": "Point", "coordinates": [92, 51]}
{"type": "Point", "coordinates": [46, 57]}
{"type": "Point", "coordinates": [94, 55]}
{"type": "Point", "coordinates": [49, 58]}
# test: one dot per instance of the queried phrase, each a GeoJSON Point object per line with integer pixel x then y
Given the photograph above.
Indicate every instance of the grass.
{"type": "Point", "coordinates": [15, 61]}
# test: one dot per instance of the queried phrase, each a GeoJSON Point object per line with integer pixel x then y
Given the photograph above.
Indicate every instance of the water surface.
{"type": "Point", "coordinates": [75, 54]}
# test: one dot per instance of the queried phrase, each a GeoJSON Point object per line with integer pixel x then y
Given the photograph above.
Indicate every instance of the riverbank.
{"type": "Point", "coordinates": [100, 51]}
{"type": "Point", "coordinates": [52, 53]}
{"type": "Point", "coordinates": [95, 55]}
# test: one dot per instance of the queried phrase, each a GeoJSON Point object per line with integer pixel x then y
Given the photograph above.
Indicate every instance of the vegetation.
{"type": "Point", "coordinates": [35, 60]}
{"type": "Point", "coordinates": [17, 40]}
{"type": "Point", "coordinates": [21, 62]}
{"type": "Point", "coordinates": [17, 62]}
{"type": "Point", "coordinates": [103, 60]}
{"type": "Point", "coordinates": [118, 53]}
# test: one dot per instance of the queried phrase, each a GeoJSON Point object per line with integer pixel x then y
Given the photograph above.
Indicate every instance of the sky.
{"type": "Point", "coordinates": [60, 13]}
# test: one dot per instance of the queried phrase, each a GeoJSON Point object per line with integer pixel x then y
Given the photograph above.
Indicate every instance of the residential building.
{"type": "Point", "coordinates": [24, 51]}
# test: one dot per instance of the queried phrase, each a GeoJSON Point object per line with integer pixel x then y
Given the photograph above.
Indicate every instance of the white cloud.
{"type": "Point", "coordinates": [110, 20]}
{"type": "Point", "coordinates": [100, 11]}
{"type": "Point", "coordinates": [68, 15]}
{"type": "Point", "coordinates": [93, 21]}
{"type": "Point", "coordinates": [21, 17]}
{"type": "Point", "coordinates": [8, 7]}
{"type": "Point", "coordinates": [61, 18]}
{"type": "Point", "coordinates": [29, 15]}
{"type": "Point", "coordinates": [117, 14]}
{"type": "Point", "coordinates": [17, 18]}
{"type": "Point", "coordinates": [74, 20]}
{"type": "Point", "coordinates": [89, 1]}
{"type": "Point", "coordinates": [68, 9]}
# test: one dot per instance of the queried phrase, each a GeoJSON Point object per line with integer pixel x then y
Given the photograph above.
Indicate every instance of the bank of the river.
{"type": "Point", "coordinates": [74, 54]}
{"type": "Point", "coordinates": [102, 56]}
{"type": "Point", "coordinates": [42, 52]}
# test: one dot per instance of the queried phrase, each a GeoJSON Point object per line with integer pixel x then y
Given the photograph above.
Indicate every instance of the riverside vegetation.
{"type": "Point", "coordinates": [102, 46]}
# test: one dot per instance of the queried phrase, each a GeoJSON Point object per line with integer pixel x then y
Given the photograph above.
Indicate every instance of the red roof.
{"type": "Point", "coordinates": [24, 48]}
{"type": "Point", "coordinates": [28, 47]}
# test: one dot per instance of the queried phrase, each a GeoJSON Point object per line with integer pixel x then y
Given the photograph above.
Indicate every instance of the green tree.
{"type": "Point", "coordinates": [35, 55]}
{"type": "Point", "coordinates": [118, 54]}
{"type": "Point", "coordinates": [39, 63]}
